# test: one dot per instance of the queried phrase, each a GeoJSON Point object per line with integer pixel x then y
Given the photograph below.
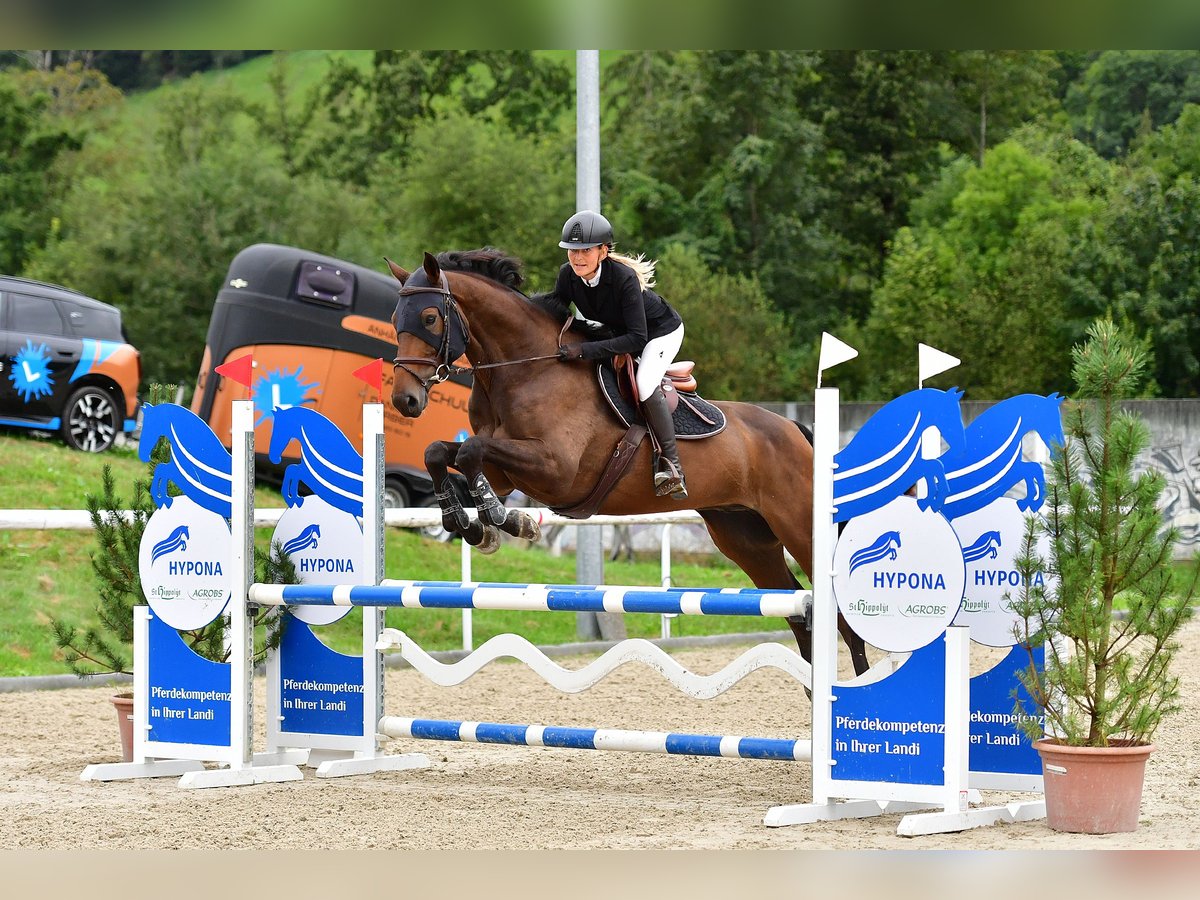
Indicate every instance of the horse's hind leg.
{"type": "Point", "coordinates": [744, 536]}
{"type": "Point", "coordinates": [754, 546]}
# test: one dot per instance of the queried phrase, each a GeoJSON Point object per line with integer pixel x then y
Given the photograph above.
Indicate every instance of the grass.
{"type": "Point", "coordinates": [46, 572]}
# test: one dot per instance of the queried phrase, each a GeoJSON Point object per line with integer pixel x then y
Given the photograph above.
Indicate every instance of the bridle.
{"type": "Point", "coordinates": [442, 362]}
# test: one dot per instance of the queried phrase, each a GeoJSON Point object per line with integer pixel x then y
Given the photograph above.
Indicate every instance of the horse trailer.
{"type": "Point", "coordinates": [310, 321]}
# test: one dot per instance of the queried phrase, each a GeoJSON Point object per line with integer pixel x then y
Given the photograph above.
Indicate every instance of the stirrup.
{"type": "Point", "coordinates": [669, 484]}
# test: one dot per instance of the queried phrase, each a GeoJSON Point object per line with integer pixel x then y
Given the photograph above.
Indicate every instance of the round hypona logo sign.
{"type": "Point", "coordinates": [992, 538]}
{"type": "Point", "coordinates": [898, 575]}
{"type": "Point", "coordinates": [326, 546]}
{"type": "Point", "coordinates": [184, 564]}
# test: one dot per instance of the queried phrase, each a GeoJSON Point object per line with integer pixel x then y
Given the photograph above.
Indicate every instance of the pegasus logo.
{"type": "Point", "coordinates": [176, 540]}
{"type": "Point", "coordinates": [885, 545]}
{"type": "Point", "coordinates": [305, 540]}
{"type": "Point", "coordinates": [988, 544]}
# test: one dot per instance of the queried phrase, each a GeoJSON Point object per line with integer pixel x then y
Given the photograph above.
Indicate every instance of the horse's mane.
{"type": "Point", "coordinates": [504, 269]}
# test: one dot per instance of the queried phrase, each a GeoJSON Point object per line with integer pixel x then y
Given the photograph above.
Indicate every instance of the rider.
{"type": "Point", "coordinates": [615, 290]}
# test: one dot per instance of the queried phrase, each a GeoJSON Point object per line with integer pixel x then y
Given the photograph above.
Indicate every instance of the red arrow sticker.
{"type": "Point", "coordinates": [372, 374]}
{"type": "Point", "coordinates": [237, 369]}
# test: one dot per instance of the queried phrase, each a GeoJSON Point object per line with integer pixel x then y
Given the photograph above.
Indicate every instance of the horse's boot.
{"type": "Point", "coordinates": [668, 475]}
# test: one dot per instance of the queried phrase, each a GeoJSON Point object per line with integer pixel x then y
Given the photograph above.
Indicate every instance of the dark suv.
{"type": "Point", "coordinates": [65, 365]}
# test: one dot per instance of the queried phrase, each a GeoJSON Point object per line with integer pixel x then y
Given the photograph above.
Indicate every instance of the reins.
{"type": "Point", "coordinates": [443, 367]}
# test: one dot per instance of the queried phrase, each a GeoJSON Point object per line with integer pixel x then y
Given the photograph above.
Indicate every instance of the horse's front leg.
{"type": "Point", "coordinates": [472, 455]}
{"type": "Point", "coordinates": [438, 457]}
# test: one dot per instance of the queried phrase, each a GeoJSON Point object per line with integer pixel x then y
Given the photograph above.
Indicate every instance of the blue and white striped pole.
{"type": "Point", "coordinates": [563, 598]}
{"type": "Point", "coordinates": [729, 746]}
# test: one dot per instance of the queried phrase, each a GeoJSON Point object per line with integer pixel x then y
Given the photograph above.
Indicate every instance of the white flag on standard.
{"type": "Point", "coordinates": [931, 361]}
{"type": "Point", "coordinates": [833, 352]}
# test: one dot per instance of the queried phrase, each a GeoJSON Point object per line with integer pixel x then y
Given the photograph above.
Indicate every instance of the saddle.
{"type": "Point", "coordinates": [693, 416]}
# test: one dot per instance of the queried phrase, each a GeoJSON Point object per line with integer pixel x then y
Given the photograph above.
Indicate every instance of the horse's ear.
{"type": "Point", "coordinates": [401, 274]}
{"type": "Point", "coordinates": [1056, 397]}
{"type": "Point", "coordinates": [431, 267]}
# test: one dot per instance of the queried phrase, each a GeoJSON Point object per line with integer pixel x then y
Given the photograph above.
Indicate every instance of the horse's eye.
{"type": "Point", "coordinates": [430, 319]}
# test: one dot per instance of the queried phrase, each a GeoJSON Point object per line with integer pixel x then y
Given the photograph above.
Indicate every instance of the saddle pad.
{"type": "Point", "coordinates": [689, 416]}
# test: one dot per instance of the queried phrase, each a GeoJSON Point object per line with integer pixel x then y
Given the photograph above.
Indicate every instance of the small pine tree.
{"type": "Point", "coordinates": [106, 645]}
{"type": "Point", "coordinates": [1107, 676]}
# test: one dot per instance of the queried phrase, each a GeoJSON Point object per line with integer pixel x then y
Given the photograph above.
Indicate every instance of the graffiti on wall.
{"type": "Point", "coordinates": [1181, 498]}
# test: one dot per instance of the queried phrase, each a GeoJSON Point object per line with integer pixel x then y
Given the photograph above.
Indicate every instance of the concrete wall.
{"type": "Point", "coordinates": [1174, 450]}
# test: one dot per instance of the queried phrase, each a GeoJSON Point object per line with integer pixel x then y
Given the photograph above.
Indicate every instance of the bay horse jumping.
{"type": "Point", "coordinates": [542, 427]}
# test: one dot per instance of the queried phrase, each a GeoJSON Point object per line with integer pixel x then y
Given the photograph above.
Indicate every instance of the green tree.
{"type": "Point", "coordinates": [741, 343]}
{"type": "Point", "coordinates": [1126, 94]}
{"type": "Point", "coordinates": [30, 144]}
{"type": "Point", "coordinates": [715, 149]}
{"type": "Point", "coordinates": [153, 228]}
{"type": "Point", "coordinates": [1106, 678]}
{"type": "Point", "coordinates": [1000, 90]}
{"type": "Point", "coordinates": [1004, 279]}
{"type": "Point", "coordinates": [374, 113]}
{"type": "Point", "coordinates": [1153, 225]}
{"type": "Point", "coordinates": [480, 195]}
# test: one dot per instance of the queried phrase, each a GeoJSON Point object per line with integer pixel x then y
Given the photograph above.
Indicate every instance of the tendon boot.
{"type": "Point", "coordinates": [668, 475]}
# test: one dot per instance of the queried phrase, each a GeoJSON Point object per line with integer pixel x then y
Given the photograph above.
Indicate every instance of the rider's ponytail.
{"type": "Point", "coordinates": [640, 265]}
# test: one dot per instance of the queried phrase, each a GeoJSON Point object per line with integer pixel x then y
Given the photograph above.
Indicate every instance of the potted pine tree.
{"type": "Point", "coordinates": [105, 644]}
{"type": "Point", "coordinates": [1111, 604]}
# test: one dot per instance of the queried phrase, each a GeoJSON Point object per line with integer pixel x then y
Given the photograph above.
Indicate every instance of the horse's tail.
{"type": "Point", "coordinates": [804, 430]}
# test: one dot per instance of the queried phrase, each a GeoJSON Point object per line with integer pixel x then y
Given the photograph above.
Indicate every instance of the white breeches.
{"type": "Point", "coordinates": [657, 355]}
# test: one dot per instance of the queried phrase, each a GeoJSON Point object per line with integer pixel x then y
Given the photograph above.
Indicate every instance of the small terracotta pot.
{"type": "Point", "coordinates": [1093, 790]}
{"type": "Point", "coordinates": [124, 705]}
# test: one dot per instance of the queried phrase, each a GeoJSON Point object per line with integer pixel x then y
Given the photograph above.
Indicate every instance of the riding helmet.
{"type": "Point", "coordinates": [586, 229]}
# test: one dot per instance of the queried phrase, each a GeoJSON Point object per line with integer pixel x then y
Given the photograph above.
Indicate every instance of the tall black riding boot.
{"type": "Point", "coordinates": [668, 479]}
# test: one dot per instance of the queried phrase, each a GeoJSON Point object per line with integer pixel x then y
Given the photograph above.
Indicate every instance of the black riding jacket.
{"type": "Point", "coordinates": [619, 302]}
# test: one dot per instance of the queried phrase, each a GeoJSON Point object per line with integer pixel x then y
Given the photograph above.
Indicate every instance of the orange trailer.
{"type": "Point", "coordinates": [310, 321]}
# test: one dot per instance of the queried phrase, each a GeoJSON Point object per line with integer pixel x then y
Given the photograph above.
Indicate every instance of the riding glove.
{"type": "Point", "coordinates": [569, 352]}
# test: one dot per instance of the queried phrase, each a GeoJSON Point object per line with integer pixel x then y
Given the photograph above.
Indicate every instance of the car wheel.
{"type": "Point", "coordinates": [89, 420]}
{"type": "Point", "coordinates": [395, 494]}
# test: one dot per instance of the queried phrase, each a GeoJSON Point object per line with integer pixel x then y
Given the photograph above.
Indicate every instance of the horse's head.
{"type": "Point", "coordinates": [430, 334]}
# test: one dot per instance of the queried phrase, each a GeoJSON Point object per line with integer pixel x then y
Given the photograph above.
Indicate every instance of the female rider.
{"type": "Point", "coordinates": [616, 291]}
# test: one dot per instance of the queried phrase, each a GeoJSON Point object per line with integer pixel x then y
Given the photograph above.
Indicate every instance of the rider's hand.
{"type": "Point", "coordinates": [570, 351]}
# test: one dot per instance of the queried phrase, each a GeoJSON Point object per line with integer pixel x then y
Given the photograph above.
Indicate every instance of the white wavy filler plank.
{"type": "Point", "coordinates": [701, 687]}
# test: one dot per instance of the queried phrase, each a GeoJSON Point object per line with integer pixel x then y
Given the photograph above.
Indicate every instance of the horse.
{"type": "Point", "coordinates": [199, 465]}
{"type": "Point", "coordinates": [541, 426]}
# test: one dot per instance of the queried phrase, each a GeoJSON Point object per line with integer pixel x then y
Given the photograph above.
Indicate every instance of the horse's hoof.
{"type": "Point", "coordinates": [490, 542]}
{"type": "Point", "coordinates": [529, 529]}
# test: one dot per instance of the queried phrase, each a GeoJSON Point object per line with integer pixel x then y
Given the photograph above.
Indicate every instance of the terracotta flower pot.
{"type": "Point", "coordinates": [124, 705]}
{"type": "Point", "coordinates": [1093, 790]}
